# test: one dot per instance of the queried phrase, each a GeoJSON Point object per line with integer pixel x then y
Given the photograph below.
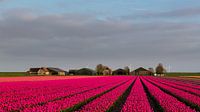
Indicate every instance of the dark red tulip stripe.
{"type": "Point", "coordinates": [187, 81]}
{"type": "Point", "coordinates": [179, 83]}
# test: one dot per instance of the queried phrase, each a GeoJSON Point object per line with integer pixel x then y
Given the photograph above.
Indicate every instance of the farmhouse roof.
{"type": "Point", "coordinates": [120, 69]}
{"type": "Point", "coordinates": [140, 69]}
{"type": "Point", "coordinates": [55, 69]}
{"type": "Point", "coordinates": [119, 72]}
{"type": "Point", "coordinates": [34, 69]}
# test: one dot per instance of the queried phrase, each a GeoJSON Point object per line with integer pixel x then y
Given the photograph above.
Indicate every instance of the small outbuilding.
{"type": "Point", "coordinates": [33, 71]}
{"type": "Point", "coordinates": [86, 71]}
{"type": "Point", "coordinates": [47, 71]}
{"type": "Point", "coordinates": [73, 72]}
{"type": "Point", "coordinates": [141, 71]}
{"type": "Point", "coordinates": [119, 72]}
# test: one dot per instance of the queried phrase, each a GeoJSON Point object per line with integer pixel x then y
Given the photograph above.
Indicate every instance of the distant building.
{"type": "Point", "coordinates": [107, 71]}
{"type": "Point", "coordinates": [82, 71]}
{"type": "Point", "coordinates": [86, 71]}
{"type": "Point", "coordinates": [73, 72]}
{"type": "Point", "coordinates": [47, 71]}
{"type": "Point", "coordinates": [141, 71]}
{"type": "Point", "coordinates": [33, 71]}
{"type": "Point", "coordinates": [119, 72]}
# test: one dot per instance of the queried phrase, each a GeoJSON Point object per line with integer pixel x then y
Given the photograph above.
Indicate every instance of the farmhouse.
{"type": "Point", "coordinates": [73, 72]}
{"type": "Point", "coordinates": [86, 71]}
{"type": "Point", "coordinates": [119, 72]}
{"type": "Point", "coordinates": [107, 71]}
{"type": "Point", "coordinates": [141, 71]}
{"type": "Point", "coordinates": [82, 71]}
{"type": "Point", "coordinates": [33, 71]}
{"type": "Point", "coordinates": [46, 71]}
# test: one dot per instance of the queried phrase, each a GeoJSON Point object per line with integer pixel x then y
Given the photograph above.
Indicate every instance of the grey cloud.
{"type": "Point", "coordinates": [175, 13]}
{"type": "Point", "coordinates": [181, 12]}
{"type": "Point", "coordinates": [30, 39]}
{"type": "Point", "coordinates": [2, 0]}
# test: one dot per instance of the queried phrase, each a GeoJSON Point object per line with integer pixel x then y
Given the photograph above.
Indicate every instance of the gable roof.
{"type": "Point", "coordinates": [140, 69]}
{"type": "Point", "coordinates": [55, 69]}
{"type": "Point", "coordinates": [44, 69]}
{"type": "Point", "coordinates": [119, 70]}
{"type": "Point", "coordinates": [34, 69]}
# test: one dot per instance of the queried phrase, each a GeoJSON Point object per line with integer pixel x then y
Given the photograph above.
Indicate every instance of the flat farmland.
{"type": "Point", "coordinates": [99, 94]}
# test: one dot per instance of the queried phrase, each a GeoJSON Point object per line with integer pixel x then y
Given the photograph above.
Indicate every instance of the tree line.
{"type": "Point", "coordinates": [105, 70]}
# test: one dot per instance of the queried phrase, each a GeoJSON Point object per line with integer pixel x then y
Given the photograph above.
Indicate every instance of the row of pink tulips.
{"type": "Point", "coordinates": [68, 102]}
{"type": "Point", "coordinates": [179, 93]}
{"type": "Point", "coordinates": [166, 101]}
{"type": "Point", "coordinates": [180, 82]}
{"type": "Point", "coordinates": [21, 87]}
{"type": "Point", "coordinates": [183, 87]}
{"type": "Point", "coordinates": [103, 103]}
{"type": "Point", "coordinates": [137, 100]}
{"type": "Point", "coordinates": [23, 99]}
{"type": "Point", "coordinates": [68, 87]}
{"type": "Point", "coordinates": [57, 95]}
{"type": "Point", "coordinates": [184, 80]}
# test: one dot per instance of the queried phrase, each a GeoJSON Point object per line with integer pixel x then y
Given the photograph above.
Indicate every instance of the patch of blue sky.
{"type": "Point", "coordinates": [100, 8]}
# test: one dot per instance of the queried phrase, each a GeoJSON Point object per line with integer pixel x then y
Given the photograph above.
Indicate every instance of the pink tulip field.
{"type": "Point", "coordinates": [99, 94]}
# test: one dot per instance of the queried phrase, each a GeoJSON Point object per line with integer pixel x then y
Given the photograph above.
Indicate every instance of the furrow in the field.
{"type": "Point", "coordinates": [168, 102]}
{"type": "Point", "coordinates": [189, 99]}
{"type": "Point", "coordinates": [68, 102]}
{"type": "Point", "coordinates": [118, 104]}
{"type": "Point", "coordinates": [152, 100]}
{"type": "Point", "coordinates": [41, 100]}
{"type": "Point", "coordinates": [104, 101]}
{"type": "Point", "coordinates": [183, 88]}
{"type": "Point", "coordinates": [137, 100]}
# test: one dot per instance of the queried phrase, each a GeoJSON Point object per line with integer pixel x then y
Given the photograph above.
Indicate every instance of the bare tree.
{"type": "Point", "coordinates": [127, 70]}
{"type": "Point", "coordinates": [99, 69]}
{"type": "Point", "coordinates": [160, 69]}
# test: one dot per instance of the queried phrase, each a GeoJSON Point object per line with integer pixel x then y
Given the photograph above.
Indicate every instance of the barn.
{"type": "Point", "coordinates": [33, 71]}
{"type": "Point", "coordinates": [119, 72]}
{"type": "Point", "coordinates": [47, 71]}
{"type": "Point", "coordinates": [86, 71]}
{"type": "Point", "coordinates": [141, 71]}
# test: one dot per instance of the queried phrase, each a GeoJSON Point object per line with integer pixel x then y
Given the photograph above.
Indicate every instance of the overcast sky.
{"type": "Point", "coordinates": [83, 33]}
